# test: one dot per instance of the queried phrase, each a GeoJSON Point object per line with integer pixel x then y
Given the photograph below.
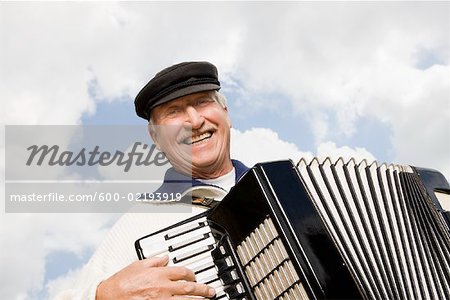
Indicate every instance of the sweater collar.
{"type": "Point", "coordinates": [175, 182]}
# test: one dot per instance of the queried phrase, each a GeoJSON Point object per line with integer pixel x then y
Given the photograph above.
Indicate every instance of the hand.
{"type": "Point", "coordinates": [152, 279]}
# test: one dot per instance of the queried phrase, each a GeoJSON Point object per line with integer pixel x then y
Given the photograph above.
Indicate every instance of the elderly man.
{"type": "Point", "coordinates": [185, 98]}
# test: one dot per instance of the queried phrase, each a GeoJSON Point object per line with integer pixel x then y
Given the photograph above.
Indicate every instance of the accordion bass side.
{"type": "Point", "coordinates": [336, 230]}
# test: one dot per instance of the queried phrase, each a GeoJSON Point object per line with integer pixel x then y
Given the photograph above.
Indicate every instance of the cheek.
{"type": "Point", "coordinates": [229, 122]}
{"type": "Point", "coordinates": [154, 138]}
{"type": "Point", "coordinates": [164, 138]}
{"type": "Point", "coordinates": [222, 118]}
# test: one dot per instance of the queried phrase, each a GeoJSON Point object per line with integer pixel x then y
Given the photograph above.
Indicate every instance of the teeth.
{"type": "Point", "coordinates": [199, 138]}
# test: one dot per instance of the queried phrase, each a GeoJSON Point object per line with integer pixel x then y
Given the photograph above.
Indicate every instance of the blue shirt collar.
{"type": "Point", "coordinates": [175, 182]}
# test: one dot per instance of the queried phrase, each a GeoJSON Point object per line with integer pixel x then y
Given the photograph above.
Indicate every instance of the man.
{"type": "Point", "coordinates": [189, 122]}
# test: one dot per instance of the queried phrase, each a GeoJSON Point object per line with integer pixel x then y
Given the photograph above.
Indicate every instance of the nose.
{"type": "Point", "coordinates": [194, 119]}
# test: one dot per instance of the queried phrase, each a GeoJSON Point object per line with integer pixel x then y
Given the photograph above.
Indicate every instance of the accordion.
{"type": "Point", "coordinates": [319, 229]}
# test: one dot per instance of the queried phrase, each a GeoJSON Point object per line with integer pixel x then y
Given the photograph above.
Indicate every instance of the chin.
{"type": "Point", "coordinates": [202, 162]}
{"type": "Point", "coordinates": [205, 155]}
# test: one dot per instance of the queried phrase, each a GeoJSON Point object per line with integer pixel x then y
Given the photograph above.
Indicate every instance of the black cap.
{"type": "Point", "coordinates": [176, 81]}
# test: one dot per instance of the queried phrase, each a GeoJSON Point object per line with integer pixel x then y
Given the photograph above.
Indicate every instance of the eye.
{"type": "Point", "coordinates": [202, 102]}
{"type": "Point", "coordinates": [171, 112]}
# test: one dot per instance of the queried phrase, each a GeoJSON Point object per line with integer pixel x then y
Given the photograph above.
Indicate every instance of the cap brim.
{"type": "Point", "coordinates": [187, 91]}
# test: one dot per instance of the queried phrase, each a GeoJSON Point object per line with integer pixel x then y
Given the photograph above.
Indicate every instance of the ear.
{"type": "Point", "coordinates": [228, 117]}
{"type": "Point", "coordinates": [153, 135]}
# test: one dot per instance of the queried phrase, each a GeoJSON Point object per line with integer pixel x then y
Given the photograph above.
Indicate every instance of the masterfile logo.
{"type": "Point", "coordinates": [54, 156]}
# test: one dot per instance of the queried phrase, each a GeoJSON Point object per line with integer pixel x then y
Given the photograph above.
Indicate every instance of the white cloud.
{"type": "Point", "coordinates": [340, 63]}
{"type": "Point", "coordinates": [336, 61]}
{"type": "Point", "coordinates": [28, 239]}
{"type": "Point", "coordinates": [62, 283]}
{"type": "Point", "coordinates": [329, 149]}
{"type": "Point", "coordinates": [262, 144]}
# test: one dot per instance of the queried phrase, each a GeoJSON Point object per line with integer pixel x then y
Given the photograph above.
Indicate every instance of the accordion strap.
{"type": "Point", "coordinates": [204, 201]}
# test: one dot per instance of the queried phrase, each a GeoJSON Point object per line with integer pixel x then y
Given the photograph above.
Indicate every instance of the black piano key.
{"type": "Point", "coordinates": [229, 277]}
{"type": "Point", "coordinates": [184, 230]}
{"type": "Point", "coordinates": [234, 291]}
{"type": "Point", "coordinates": [223, 264]}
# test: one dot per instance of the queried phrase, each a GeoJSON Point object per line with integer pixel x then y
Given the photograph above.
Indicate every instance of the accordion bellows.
{"type": "Point", "coordinates": [319, 229]}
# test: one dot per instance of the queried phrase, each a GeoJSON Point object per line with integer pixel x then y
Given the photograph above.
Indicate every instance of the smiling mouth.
{"type": "Point", "coordinates": [198, 138]}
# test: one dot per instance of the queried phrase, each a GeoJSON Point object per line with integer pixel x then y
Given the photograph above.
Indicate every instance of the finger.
{"type": "Point", "coordinates": [192, 289]}
{"type": "Point", "coordinates": [186, 298]}
{"type": "Point", "coordinates": [179, 273]}
{"type": "Point", "coordinates": [157, 261]}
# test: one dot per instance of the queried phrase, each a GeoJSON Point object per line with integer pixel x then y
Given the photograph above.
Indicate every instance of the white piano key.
{"type": "Point", "coordinates": [155, 252]}
{"type": "Point", "coordinates": [220, 291]}
{"type": "Point", "coordinates": [206, 275]}
{"type": "Point", "coordinates": [154, 245]}
{"type": "Point", "coordinates": [193, 249]}
{"type": "Point", "coordinates": [195, 261]}
{"type": "Point", "coordinates": [216, 285]}
{"type": "Point", "coordinates": [190, 240]}
{"type": "Point", "coordinates": [202, 265]}
{"type": "Point", "coordinates": [185, 228]}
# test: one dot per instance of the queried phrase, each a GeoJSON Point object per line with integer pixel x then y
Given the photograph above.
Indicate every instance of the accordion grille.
{"type": "Point", "coordinates": [268, 266]}
{"type": "Point", "coordinates": [384, 225]}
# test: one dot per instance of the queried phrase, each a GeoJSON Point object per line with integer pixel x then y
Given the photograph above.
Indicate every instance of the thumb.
{"type": "Point", "coordinates": [157, 261]}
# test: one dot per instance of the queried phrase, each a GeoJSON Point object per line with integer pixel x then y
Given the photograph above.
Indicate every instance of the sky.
{"type": "Point", "coordinates": [353, 79]}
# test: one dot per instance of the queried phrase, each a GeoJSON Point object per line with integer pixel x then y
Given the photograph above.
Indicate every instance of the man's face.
{"type": "Point", "coordinates": [197, 129]}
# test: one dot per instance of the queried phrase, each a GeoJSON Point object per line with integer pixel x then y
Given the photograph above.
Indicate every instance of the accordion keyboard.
{"type": "Point", "coordinates": [191, 244]}
{"type": "Point", "coordinates": [188, 245]}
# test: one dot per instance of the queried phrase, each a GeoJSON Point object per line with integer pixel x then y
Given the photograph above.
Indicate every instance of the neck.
{"type": "Point", "coordinates": [212, 172]}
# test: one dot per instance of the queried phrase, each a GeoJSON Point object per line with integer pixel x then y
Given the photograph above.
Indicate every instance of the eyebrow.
{"type": "Point", "coordinates": [170, 105]}
{"type": "Point", "coordinates": [202, 97]}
